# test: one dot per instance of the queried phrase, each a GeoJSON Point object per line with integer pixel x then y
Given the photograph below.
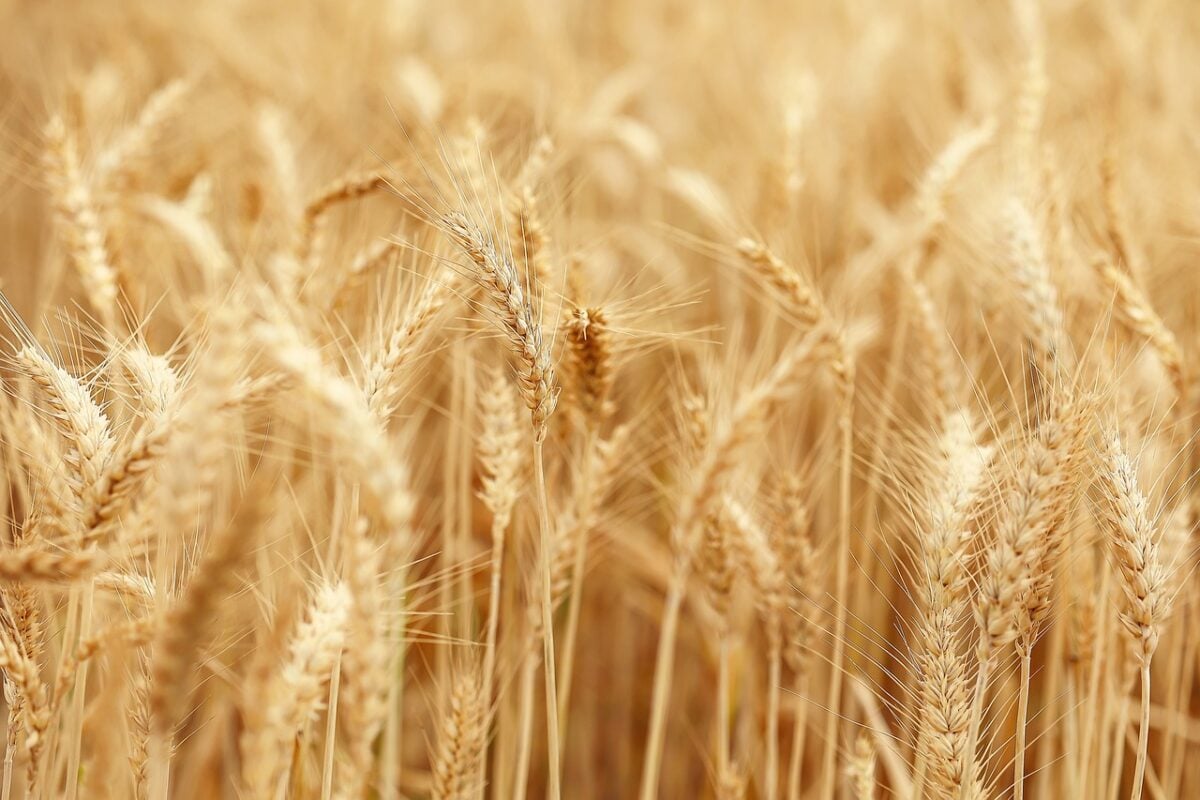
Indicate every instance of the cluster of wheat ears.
{"type": "Point", "coordinates": [599, 400]}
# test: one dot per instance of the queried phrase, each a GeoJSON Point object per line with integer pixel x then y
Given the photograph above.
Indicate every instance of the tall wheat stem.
{"type": "Point", "coordinates": [331, 730]}
{"type": "Point", "coordinates": [10, 747]}
{"type": "Point", "coordinates": [1139, 772]}
{"type": "Point", "coordinates": [577, 574]}
{"type": "Point", "coordinates": [663, 666]}
{"type": "Point", "coordinates": [392, 755]}
{"type": "Point", "coordinates": [1116, 758]}
{"type": "Point", "coordinates": [723, 715]}
{"type": "Point", "coordinates": [1022, 718]}
{"type": "Point", "coordinates": [525, 746]}
{"type": "Point", "coordinates": [834, 702]}
{"type": "Point", "coordinates": [799, 729]}
{"type": "Point", "coordinates": [774, 679]}
{"type": "Point", "coordinates": [493, 629]}
{"type": "Point", "coordinates": [493, 621]}
{"type": "Point", "coordinates": [77, 699]}
{"type": "Point", "coordinates": [1095, 721]}
{"type": "Point", "coordinates": [554, 790]}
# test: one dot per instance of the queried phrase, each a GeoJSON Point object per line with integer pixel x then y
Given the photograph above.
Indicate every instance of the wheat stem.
{"type": "Point", "coordinates": [723, 700]}
{"type": "Point", "coordinates": [663, 666]}
{"type": "Point", "coordinates": [774, 685]}
{"type": "Point", "coordinates": [1139, 772]}
{"type": "Point", "coordinates": [578, 569]}
{"type": "Point", "coordinates": [799, 731]}
{"type": "Point", "coordinates": [327, 766]}
{"type": "Point", "coordinates": [525, 746]}
{"type": "Point", "coordinates": [1022, 717]}
{"type": "Point", "coordinates": [77, 699]}
{"type": "Point", "coordinates": [552, 740]}
{"type": "Point", "coordinates": [834, 701]}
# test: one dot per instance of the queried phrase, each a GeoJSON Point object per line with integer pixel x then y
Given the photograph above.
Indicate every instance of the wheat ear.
{"type": "Point", "coordinates": [295, 694]}
{"type": "Point", "coordinates": [718, 461]}
{"type": "Point", "coordinates": [118, 163]}
{"type": "Point", "coordinates": [80, 421]}
{"type": "Point", "coordinates": [860, 768]}
{"type": "Point", "coordinates": [462, 739]}
{"type": "Point", "coordinates": [77, 213]}
{"type": "Point", "coordinates": [343, 190]}
{"type": "Point", "coordinates": [365, 666]}
{"type": "Point", "coordinates": [590, 349]}
{"type": "Point", "coordinates": [765, 573]}
{"type": "Point", "coordinates": [386, 365]}
{"type": "Point", "coordinates": [157, 386]}
{"type": "Point", "coordinates": [1144, 578]}
{"type": "Point", "coordinates": [1135, 313]}
{"type": "Point", "coordinates": [1033, 506]}
{"type": "Point", "coordinates": [1031, 274]}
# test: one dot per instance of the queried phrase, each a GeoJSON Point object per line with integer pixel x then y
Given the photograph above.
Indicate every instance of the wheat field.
{"type": "Point", "coordinates": [634, 399]}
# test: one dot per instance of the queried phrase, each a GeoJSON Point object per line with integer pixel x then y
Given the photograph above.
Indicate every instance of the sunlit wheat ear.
{"type": "Point", "coordinates": [314, 215]}
{"type": "Point", "coordinates": [860, 768]}
{"type": "Point", "coordinates": [1134, 544]}
{"type": "Point", "coordinates": [462, 737]}
{"type": "Point", "coordinates": [1116, 220]}
{"type": "Point", "coordinates": [132, 464]}
{"type": "Point", "coordinates": [500, 449]}
{"type": "Point", "coordinates": [365, 663]}
{"type": "Point", "coordinates": [942, 552]}
{"type": "Point", "coordinates": [502, 458]}
{"type": "Point", "coordinates": [119, 164]}
{"type": "Point", "coordinates": [800, 293]}
{"type": "Point", "coordinates": [1035, 503]}
{"type": "Point", "coordinates": [716, 565]}
{"type": "Point", "coordinates": [730, 784]}
{"type": "Point", "coordinates": [186, 623]}
{"type": "Point", "coordinates": [765, 575]}
{"type": "Point", "coordinates": [791, 537]}
{"type": "Point", "coordinates": [295, 694]}
{"type": "Point", "coordinates": [939, 362]}
{"type": "Point", "coordinates": [536, 164]}
{"type": "Point", "coordinates": [753, 408]}
{"type": "Point", "coordinates": [592, 363]}
{"type": "Point", "coordinates": [348, 421]}
{"type": "Point", "coordinates": [1135, 314]}
{"type": "Point", "coordinates": [761, 565]}
{"type": "Point", "coordinates": [80, 221]}
{"type": "Point", "coordinates": [530, 239]}
{"type": "Point", "coordinates": [79, 419]}
{"type": "Point", "coordinates": [23, 674]}
{"type": "Point", "coordinates": [389, 363]}
{"type": "Point", "coordinates": [958, 482]}
{"type": "Point", "coordinates": [1030, 273]}
{"type": "Point", "coordinates": [945, 695]}
{"type": "Point", "coordinates": [1031, 92]}
{"type": "Point", "coordinates": [495, 272]}
{"type": "Point", "coordinates": [1033, 506]}
{"type": "Point", "coordinates": [932, 194]}
{"type": "Point", "coordinates": [1144, 578]}
{"type": "Point", "coordinates": [806, 303]}
{"type": "Point", "coordinates": [38, 565]}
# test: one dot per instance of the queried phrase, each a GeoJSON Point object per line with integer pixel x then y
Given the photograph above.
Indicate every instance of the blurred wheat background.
{"type": "Point", "coordinates": [630, 399]}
